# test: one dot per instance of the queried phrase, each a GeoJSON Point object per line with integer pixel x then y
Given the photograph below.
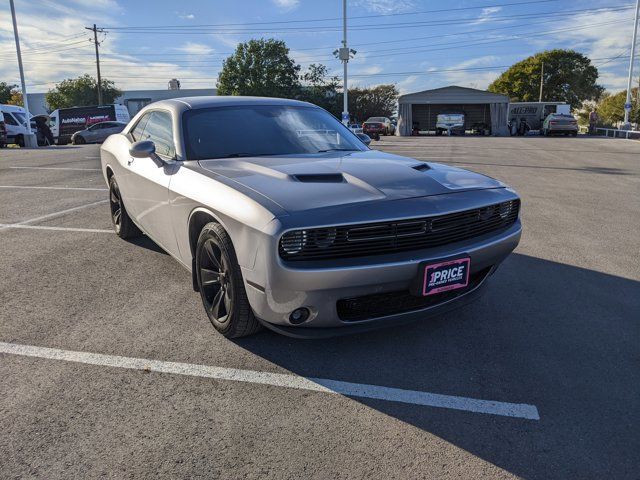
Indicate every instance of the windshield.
{"type": "Point", "coordinates": [376, 119]}
{"type": "Point", "coordinates": [252, 130]}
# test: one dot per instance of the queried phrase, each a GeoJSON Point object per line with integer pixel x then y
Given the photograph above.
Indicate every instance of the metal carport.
{"type": "Point", "coordinates": [421, 109]}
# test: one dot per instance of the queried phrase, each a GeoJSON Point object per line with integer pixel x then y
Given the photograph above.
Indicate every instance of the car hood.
{"type": "Point", "coordinates": [304, 182]}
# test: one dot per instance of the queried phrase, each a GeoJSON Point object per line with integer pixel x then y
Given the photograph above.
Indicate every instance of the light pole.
{"type": "Point", "coordinates": [344, 54]}
{"type": "Point", "coordinates": [29, 139]}
{"type": "Point", "coordinates": [627, 105]}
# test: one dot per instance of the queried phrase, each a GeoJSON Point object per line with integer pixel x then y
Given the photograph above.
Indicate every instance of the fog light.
{"type": "Point", "coordinates": [299, 315]}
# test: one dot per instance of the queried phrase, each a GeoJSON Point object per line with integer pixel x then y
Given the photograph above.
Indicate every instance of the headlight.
{"type": "Point", "coordinates": [293, 242]}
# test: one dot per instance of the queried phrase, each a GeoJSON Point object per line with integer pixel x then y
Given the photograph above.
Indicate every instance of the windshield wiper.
{"type": "Point", "coordinates": [337, 150]}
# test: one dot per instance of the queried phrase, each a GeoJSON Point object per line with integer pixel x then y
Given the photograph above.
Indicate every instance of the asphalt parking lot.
{"type": "Point", "coordinates": [557, 332]}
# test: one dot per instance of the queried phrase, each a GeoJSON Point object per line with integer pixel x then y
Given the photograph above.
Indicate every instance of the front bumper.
{"type": "Point", "coordinates": [319, 289]}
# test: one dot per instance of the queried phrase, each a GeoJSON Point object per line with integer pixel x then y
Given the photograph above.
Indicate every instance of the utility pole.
{"type": "Point", "coordinates": [95, 31]}
{"type": "Point", "coordinates": [29, 139]}
{"type": "Point", "coordinates": [344, 54]}
{"type": "Point", "coordinates": [627, 105]}
{"type": "Point", "coordinates": [541, 81]}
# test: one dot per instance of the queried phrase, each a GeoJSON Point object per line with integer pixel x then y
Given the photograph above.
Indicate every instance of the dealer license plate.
{"type": "Point", "coordinates": [445, 275]}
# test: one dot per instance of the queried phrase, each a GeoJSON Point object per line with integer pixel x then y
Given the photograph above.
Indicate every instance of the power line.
{"type": "Point", "coordinates": [312, 20]}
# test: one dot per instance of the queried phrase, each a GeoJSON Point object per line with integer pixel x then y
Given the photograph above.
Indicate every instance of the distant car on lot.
{"type": "Point", "coordinates": [3, 133]}
{"type": "Point", "coordinates": [97, 133]}
{"type": "Point", "coordinates": [356, 128]}
{"type": "Point", "coordinates": [452, 123]}
{"type": "Point", "coordinates": [560, 123]}
{"type": "Point", "coordinates": [293, 223]}
{"type": "Point", "coordinates": [379, 126]}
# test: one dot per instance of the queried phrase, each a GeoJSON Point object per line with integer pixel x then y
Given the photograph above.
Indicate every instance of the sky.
{"type": "Point", "coordinates": [415, 44]}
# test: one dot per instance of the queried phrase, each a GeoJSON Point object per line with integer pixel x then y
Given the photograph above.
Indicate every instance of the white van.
{"type": "Point", "coordinates": [65, 122]}
{"type": "Point", "coordinates": [15, 119]}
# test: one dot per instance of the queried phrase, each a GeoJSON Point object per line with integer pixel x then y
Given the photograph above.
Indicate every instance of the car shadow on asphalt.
{"type": "Point", "coordinates": [560, 337]}
{"type": "Point", "coordinates": [145, 242]}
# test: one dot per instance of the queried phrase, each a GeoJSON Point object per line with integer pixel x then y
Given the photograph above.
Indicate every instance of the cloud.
{"type": "Point", "coordinates": [384, 6]}
{"type": "Point", "coordinates": [186, 16]}
{"type": "Point", "coordinates": [56, 46]}
{"type": "Point", "coordinates": [192, 48]}
{"type": "Point", "coordinates": [286, 5]}
{"type": "Point", "coordinates": [486, 15]}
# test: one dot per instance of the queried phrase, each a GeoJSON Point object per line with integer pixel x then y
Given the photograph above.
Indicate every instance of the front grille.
{"type": "Point", "coordinates": [392, 303]}
{"type": "Point", "coordinates": [349, 241]}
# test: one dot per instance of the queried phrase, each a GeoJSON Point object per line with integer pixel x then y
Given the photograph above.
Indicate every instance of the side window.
{"type": "Point", "coordinates": [9, 120]}
{"type": "Point", "coordinates": [159, 130]}
{"type": "Point", "coordinates": [138, 130]}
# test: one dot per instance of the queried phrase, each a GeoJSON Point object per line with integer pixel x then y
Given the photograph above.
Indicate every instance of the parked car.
{"type": "Point", "coordinates": [378, 125]}
{"type": "Point", "coordinates": [97, 133]}
{"type": "Point", "coordinates": [560, 123]}
{"type": "Point", "coordinates": [452, 123]}
{"type": "Point", "coordinates": [292, 223]}
{"type": "Point", "coordinates": [356, 128]}
{"type": "Point", "coordinates": [3, 133]}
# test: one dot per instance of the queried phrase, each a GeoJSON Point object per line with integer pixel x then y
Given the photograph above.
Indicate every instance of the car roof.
{"type": "Point", "coordinates": [192, 103]}
{"type": "Point", "coordinates": [11, 108]}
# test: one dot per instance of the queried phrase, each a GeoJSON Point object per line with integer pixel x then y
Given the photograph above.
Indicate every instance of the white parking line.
{"type": "Point", "coordinates": [52, 215]}
{"type": "Point", "coordinates": [58, 168]}
{"type": "Point", "coordinates": [29, 187]}
{"type": "Point", "coordinates": [414, 397]}
{"type": "Point", "coordinates": [60, 229]}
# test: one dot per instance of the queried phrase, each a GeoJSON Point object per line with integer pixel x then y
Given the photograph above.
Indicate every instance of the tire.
{"type": "Point", "coordinates": [20, 141]}
{"type": "Point", "coordinates": [574, 134]}
{"type": "Point", "coordinates": [79, 140]}
{"type": "Point", "coordinates": [438, 132]}
{"type": "Point", "coordinates": [122, 223]}
{"type": "Point", "coordinates": [220, 283]}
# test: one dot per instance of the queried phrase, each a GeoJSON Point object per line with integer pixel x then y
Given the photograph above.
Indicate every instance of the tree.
{"type": "Point", "coordinates": [261, 68]}
{"type": "Point", "coordinates": [80, 92]}
{"type": "Point", "coordinates": [568, 77]}
{"type": "Point", "coordinates": [16, 98]}
{"type": "Point", "coordinates": [319, 88]}
{"type": "Point", "coordinates": [378, 101]}
{"type": "Point", "coordinates": [611, 108]}
{"type": "Point", "coordinates": [5, 91]}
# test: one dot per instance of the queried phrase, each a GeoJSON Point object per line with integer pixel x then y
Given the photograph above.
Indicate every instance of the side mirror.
{"type": "Point", "coordinates": [364, 138]}
{"type": "Point", "coordinates": [143, 149]}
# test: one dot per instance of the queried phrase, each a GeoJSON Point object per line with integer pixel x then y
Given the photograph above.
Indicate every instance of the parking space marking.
{"type": "Point", "coordinates": [52, 215]}
{"type": "Point", "coordinates": [58, 168]}
{"type": "Point", "coordinates": [29, 187]}
{"type": "Point", "coordinates": [61, 229]}
{"type": "Point", "coordinates": [413, 397]}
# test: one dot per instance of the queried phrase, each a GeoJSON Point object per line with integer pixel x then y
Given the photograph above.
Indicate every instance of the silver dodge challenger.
{"type": "Point", "coordinates": [287, 220]}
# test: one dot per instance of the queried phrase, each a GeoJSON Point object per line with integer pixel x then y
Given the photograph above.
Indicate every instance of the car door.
{"type": "Point", "coordinates": [148, 184]}
{"type": "Point", "coordinates": [91, 133]}
{"type": "Point", "coordinates": [106, 129]}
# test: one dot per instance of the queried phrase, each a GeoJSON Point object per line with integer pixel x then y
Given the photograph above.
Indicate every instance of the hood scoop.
{"type": "Point", "coordinates": [421, 167]}
{"type": "Point", "coordinates": [319, 177]}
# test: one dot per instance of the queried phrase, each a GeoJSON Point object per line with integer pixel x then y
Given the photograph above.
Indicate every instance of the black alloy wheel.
{"type": "Point", "coordinates": [215, 282]}
{"type": "Point", "coordinates": [219, 280]}
{"type": "Point", "coordinates": [122, 223]}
